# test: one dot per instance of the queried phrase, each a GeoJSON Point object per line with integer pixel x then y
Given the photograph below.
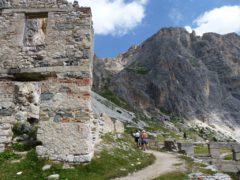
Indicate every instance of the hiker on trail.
{"type": "Point", "coordinates": [144, 138]}
{"type": "Point", "coordinates": [137, 138]}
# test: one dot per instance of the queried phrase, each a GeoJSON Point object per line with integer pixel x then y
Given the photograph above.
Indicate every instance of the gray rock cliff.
{"type": "Point", "coordinates": [194, 77]}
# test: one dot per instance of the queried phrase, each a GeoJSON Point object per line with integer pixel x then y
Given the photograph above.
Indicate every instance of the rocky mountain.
{"type": "Point", "coordinates": [195, 77]}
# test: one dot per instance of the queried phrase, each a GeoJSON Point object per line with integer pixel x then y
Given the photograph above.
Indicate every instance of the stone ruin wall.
{"type": "Point", "coordinates": [46, 76]}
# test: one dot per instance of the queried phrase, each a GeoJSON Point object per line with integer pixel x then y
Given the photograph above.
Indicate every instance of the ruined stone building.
{"type": "Point", "coordinates": [46, 75]}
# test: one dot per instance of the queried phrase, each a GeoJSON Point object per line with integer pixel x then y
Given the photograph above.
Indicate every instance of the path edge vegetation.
{"type": "Point", "coordinates": [118, 157]}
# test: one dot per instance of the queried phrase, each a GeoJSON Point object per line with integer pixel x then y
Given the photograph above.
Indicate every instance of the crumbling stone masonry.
{"type": "Point", "coordinates": [214, 155]}
{"type": "Point", "coordinates": [46, 75]}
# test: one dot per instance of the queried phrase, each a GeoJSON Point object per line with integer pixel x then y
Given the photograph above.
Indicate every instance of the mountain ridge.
{"type": "Point", "coordinates": [195, 77]}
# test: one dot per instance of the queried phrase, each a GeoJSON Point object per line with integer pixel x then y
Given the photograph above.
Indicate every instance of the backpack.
{"type": "Point", "coordinates": [137, 135]}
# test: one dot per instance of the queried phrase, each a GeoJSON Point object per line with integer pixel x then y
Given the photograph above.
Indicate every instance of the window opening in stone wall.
{"type": "Point", "coordinates": [35, 29]}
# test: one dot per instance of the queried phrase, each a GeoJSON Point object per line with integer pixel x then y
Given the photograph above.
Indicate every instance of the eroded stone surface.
{"type": "Point", "coordinates": [46, 76]}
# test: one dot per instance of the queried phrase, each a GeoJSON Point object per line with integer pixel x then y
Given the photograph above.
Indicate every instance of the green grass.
{"type": "Point", "coordinates": [165, 132]}
{"type": "Point", "coordinates": [111, 163]}
{"type": "Point", "coordinates": [21, 147]}
{"type": "Point", "coordinates": [8, 155]}
{"type": "Point", "coordinates": [206, 171]}
{"type": "Point", "coordinates": [229, 156]}
{"type": "Point", "coordinates": [234, 176]}
{"type": "Point", "coordinates": [173, 176]}
{"type": "Point", "coordinates": [201, 150]}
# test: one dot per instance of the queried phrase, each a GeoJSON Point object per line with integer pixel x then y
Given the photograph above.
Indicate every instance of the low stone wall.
{"type": "Point", "coordinates": [214, 149]}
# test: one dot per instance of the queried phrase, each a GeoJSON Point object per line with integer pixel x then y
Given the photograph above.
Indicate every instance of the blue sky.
{"type": "Point", "coordinates": [119, 24]}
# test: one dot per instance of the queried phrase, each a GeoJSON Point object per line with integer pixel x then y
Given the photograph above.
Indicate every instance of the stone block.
{"type": "Point", "coordinates": [53, 177]}
{"type": "Point", "coordinates": [6, 112]}
{"type": "Point", "coordinates": [5, 126]}
{"type": "Point", "coordinates": [21, 116]}
{"type": "Point", "coordinates": [62, 140]}
{"type": "Point", "coordinates": [236, 156]}
{"type": "Point", "coordinates": [2, 148]}
{"type": "Point", "coordinates": [119, 127]}
{"type": "Point", "coordinates": [34, 111]}
{"type": "Point", "coordinates": [236, 148]}
{"type": "Point", "coordinates": [70, 158]}
{"type": "Point", "coordinates": [220, 145]}
{"type": "Point", "coordinates": [4, 140]}
{"type": "Point", "coordinates": [214, 145]}
{"type": "Point", "coordinates": [229, 166]}
{"type": "Point", "coordinates": [108, 125]}
{"type": "Point", "coordinates": [46, 96]}
{"type": "Point", "coordinates": [238, 164]}
{"type": "Point", "coordinates": [83, 158]}
{"type": "Point", "coordinates": [186, 147]}
{"type": "Point", "coordinates": [171, 145]}
{"type": "Point", "coordinates": [41, 151]}
{"type": "Point", "coordinates": [6, 133]}
{"type": "Point", "coordinates": [214, 153]}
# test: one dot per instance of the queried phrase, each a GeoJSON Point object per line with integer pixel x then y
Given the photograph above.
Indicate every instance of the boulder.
{"type": "Point", "coordinates": [53, 177]}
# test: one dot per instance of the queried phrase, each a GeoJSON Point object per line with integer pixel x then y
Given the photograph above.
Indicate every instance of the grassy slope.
{"type": "Point", "coordinates": [173, 176]}
{"type": "Point", "coordinates": [201, 150]}
{"type": "Point", "coordinates": [114, 162]}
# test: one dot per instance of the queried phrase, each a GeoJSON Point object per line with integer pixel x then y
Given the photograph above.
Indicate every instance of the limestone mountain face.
{"type": "Point", "coordinates": [194, 77]}
{"type": "Point", "coordinates": [105, 68]}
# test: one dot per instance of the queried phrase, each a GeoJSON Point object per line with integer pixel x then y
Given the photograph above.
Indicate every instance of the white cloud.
{"type": "Point", "coordinates": [176, 16]}
{"type": "Point", "coordinates": [221, 20]}
{"type": "Point", "coordinates": [115, 17]}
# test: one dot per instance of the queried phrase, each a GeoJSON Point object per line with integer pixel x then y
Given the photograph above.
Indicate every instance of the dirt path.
{"type": "Point", "coordinates": [164, 163]}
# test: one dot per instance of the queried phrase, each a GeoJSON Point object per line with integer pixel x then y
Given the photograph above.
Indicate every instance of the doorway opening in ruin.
{"type": "Point", "coordinates": [226, 154]}
{"type": "Point", "coordinates": [35, 29]}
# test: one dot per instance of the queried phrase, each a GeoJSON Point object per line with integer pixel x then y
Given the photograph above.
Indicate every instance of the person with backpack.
{"type": "Point", "coordinates": [144, 138]}
{"type": "Point", "coordinates": [137, 138]}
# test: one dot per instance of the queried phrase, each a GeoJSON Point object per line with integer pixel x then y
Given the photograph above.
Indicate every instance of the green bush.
{"type": "Point", "coordinates": [17, 129]}
{"type": "Point", "coordinates": [164, 111]}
